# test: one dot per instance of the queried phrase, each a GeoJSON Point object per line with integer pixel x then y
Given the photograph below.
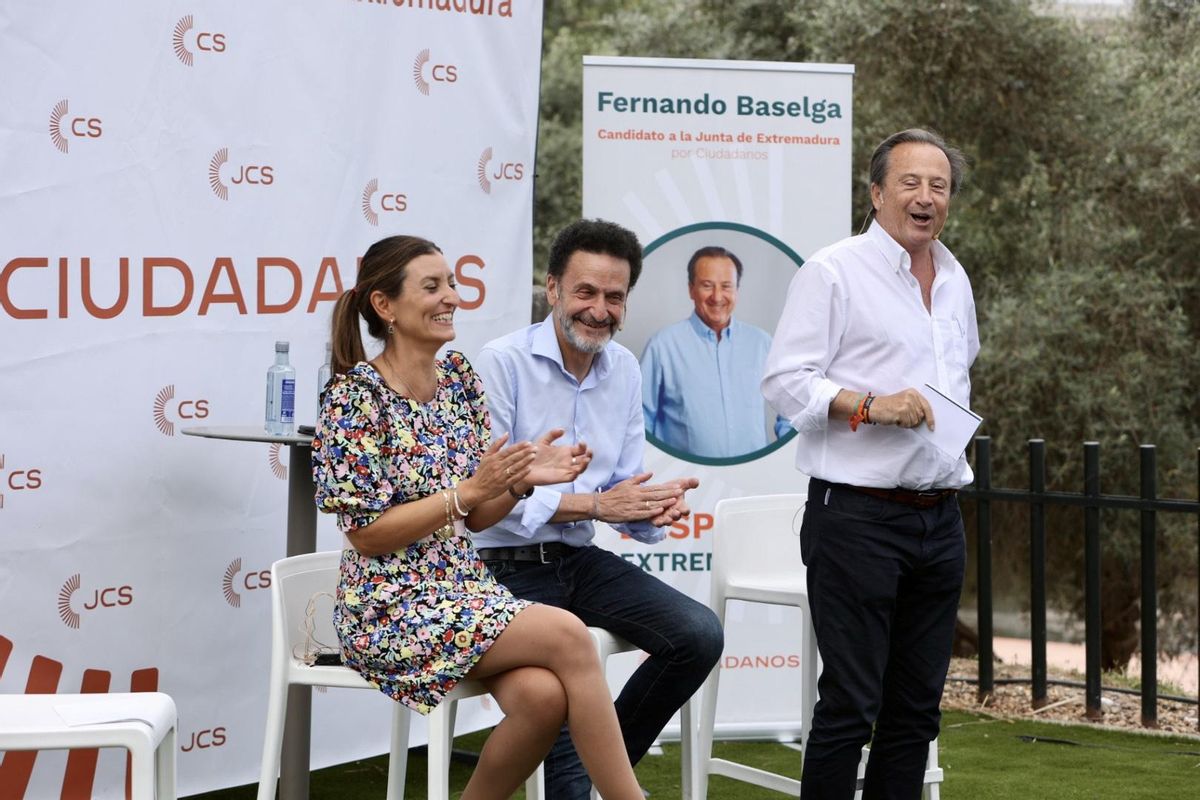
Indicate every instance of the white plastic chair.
{"type": "Point", "coordinates": [609, 644]}
{"type": "Point", "coordinates": [756, 558]}
{"type": "Point", "coordinates": [933, 774]}
{"type": "Point", "coordinates": [294, 581]}
{"type": "Point", "coordinates": [441, 744]}
{"type": "Point", "coordinates": [770, 571]}
{"type": "Point", "coordinates": [143, 723]}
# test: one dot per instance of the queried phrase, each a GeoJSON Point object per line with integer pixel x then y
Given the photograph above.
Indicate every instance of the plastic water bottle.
{"type": "Point", "coordinates": [325, 372]}
{"type": "Point", "coordinates": [281, 394]}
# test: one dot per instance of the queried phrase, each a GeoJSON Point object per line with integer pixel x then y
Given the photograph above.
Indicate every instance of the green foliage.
{"type": "Point", "coordinates": [1081, 353]}
{"type": "Point", "coordinates": [669, 28]}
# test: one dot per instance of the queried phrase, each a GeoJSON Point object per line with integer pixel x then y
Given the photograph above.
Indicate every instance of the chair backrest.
{"type": "Point", "coordinates": [758, 536]}
{"type": "Point", "coordinates": [295, 582]}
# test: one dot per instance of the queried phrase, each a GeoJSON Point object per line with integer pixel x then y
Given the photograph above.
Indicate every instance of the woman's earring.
{"type": "Point", "coordinates": [391, 329]}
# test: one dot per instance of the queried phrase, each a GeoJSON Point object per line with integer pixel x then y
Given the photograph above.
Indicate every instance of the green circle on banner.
{"type": "Point", "coordinates": [791, 255]}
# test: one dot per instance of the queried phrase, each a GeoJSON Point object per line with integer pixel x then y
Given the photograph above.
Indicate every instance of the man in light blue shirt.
{"type": "Point", "coordinates": [700, 376]}
{"type": "Point", "coordinates": [566, 372]}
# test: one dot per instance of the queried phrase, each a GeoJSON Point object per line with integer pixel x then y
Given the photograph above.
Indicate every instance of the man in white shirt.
{"type": "Point", "coordinates": [868, 319]}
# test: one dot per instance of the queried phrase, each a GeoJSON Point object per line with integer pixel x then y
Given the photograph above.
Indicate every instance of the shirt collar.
{"type": "Point", "coordinates": [897, 257]}
{"type": "Point", "coordinates": [545, 345]}
{"type": "Point", "coordinates": [703, 331]}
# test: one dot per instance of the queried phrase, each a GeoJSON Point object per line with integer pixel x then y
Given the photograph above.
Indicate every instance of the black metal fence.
{"type": "Point", "coordinates": [1092, 501]}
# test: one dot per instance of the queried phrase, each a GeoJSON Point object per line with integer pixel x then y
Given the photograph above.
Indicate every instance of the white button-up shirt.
{"type": "Point", "coordinates": [855, 320]}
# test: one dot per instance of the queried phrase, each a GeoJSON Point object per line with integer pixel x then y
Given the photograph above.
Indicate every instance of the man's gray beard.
{"type": "Point", "coordinates": [582, 345]}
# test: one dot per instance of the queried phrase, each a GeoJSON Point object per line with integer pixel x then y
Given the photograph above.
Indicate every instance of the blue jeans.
{"type": "Point", "coordinates": [682, 637]}
{"type": "Point", "coordinates": [883, 586]}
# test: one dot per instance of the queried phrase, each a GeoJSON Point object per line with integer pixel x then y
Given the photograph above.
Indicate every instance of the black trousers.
{"type": "Point", "coordinates": [883, 585]}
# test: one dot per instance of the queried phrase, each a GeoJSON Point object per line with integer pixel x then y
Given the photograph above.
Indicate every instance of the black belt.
{"type": "Point", "coordinates": [542, 553]}
{"type": "Point", "coordinates": [905, 497]}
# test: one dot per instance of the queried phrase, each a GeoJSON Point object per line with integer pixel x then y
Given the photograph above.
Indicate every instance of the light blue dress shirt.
{"type": "Point", "coordinates": [701, 395]}
{"type": "Point", "coordinates": [529, 391]}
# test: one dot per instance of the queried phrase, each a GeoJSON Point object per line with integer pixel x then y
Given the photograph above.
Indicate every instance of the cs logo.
{"type": "Point", "coordinates": [164, 402]}
{"type": "Point", "coordinates": [204, 40]}
{"type": "Point", "coordinates": [209, 737]}
{"type": "Point", "coordinates": [502, 171]}
{"type": "Point", "coordinates": [388, 201]}
{"type": "Point", "coordinates": [438, 73]}
{"type": "Point", "coordinates": [108, 597]}
{"type": "Point", "coordinates": [230, 584]}
{"type": "Point", "coordinates": [261, 174]}
{"type": "Point", "coordinates": [18, 480]}
{"type": "Point", "coordinates": [62, 125]}
{"type": "Point", "coordinates": [278, 468]}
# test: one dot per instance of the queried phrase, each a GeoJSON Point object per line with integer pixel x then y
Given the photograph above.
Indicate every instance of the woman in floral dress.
{"type": "Point", "coordinates": [403, 455]}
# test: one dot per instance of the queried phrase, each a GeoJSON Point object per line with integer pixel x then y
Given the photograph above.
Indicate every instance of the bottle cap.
{"type": "Point", "coordinates": [281, 347]}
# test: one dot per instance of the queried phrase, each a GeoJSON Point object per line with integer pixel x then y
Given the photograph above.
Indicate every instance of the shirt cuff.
{"type": "Point", "coordinates": [538, 510]}
{"type": "Point", "coordinates": [815, 416]}
{"type": "Point", "coordinates": [644, 532]}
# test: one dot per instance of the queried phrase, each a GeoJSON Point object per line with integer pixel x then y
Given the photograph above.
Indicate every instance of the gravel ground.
{"type": "Point", "coordinates": [1065, 704]}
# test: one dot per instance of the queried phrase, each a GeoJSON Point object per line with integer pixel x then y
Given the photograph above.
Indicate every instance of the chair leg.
{"type": "Point", "coordinates": [932, 791]}
{"type": "Point", "coordinates": [143, 758]}
{"type": "Point", "coordinates": [273, 736]}
{"type": "Point", "coordinates": [441, 741]}
{"type": "Point", "coordinates": [687, 743]}
{"type": "Point", "coordinates": [535, 786]}
{"type": "Point", "coordinates": [164, 766]}
{"type": "Point", "coordinates": [398, 756]}
{"type": "Point", "coordinates": [702, 754]}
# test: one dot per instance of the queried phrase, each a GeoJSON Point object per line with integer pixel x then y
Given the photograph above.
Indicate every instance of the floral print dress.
{"type": "Point", "coordinates": [415, 621]}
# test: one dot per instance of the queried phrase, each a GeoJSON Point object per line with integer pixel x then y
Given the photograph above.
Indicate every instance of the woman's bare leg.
{"type": "Point", "coordinates": [534, 705]}
{"type": "Point", "coordinates": [544, 636]}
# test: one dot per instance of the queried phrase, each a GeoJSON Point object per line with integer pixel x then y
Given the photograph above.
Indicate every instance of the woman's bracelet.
{"type": "Point", "coordinates": [462, 512]}
{"type": "Point", "coordinates": [446, 502]}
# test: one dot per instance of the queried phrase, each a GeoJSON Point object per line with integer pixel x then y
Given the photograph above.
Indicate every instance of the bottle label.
{"type": "Point", "coordinates": [287, 404]}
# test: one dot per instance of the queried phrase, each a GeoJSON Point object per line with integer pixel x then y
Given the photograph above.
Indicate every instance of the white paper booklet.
{"type": "Point", "coordinates": [954, 425]}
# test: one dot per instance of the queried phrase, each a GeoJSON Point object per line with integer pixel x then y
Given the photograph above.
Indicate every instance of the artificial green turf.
{"type": "Point", "coordinates": [983, 759]}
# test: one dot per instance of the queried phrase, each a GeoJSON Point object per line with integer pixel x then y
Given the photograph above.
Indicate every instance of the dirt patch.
{"type": "Point", "coordinates": [1064, 704]}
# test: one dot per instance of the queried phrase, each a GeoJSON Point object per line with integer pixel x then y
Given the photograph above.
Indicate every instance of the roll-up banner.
{"type": "Point", "coordinates": [184, 184]}
{"type": "Point", "coordinates": [741, 169]}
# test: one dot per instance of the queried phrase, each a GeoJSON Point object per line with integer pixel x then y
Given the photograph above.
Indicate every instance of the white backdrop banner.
{"type": "Point", "coordinates": [184, 184]}
{"type": "Point", "coordinates": [753, 157]}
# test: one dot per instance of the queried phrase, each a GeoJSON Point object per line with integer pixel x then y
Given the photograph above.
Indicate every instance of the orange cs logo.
{"type": "Point", "coordinates": [502, 171]}
{"type": "Point", "coordinates": [210, 737]}
{"type": "Point", "coordinates": [231, 585]}
{"type": "Point", "coordinates": [438, 73]}
{"type": "Point", "coordinates": [184, 409]}
{"type": "Point", "coordinates": [278, 468]}
{"type": "Point", "coordinates": [62, 125]}
{"type": "Point", "coordinates": [108, 597]}
{"type": "Point", "coordinates": [18, 480]}
{"type": "Point", "coordinates": [247, 174]}
{"type": "Point", "coordinates": [388, 201]}
{"type": "Point", "coordinates": [204, 40]}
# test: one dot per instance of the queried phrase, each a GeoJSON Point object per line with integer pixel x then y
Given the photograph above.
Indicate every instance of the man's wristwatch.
{"type": "Point", "coordinates": [525, 496]}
